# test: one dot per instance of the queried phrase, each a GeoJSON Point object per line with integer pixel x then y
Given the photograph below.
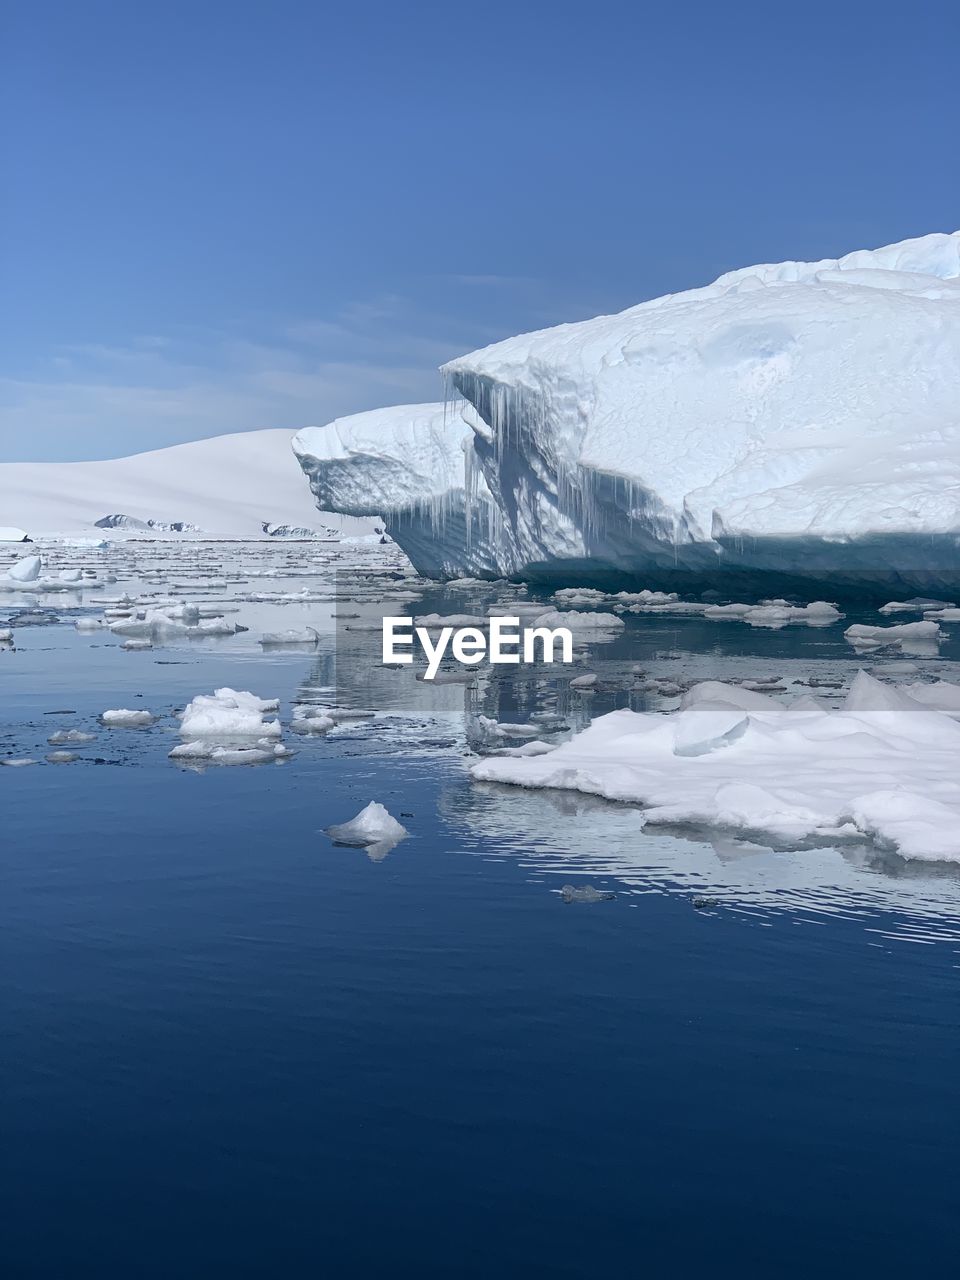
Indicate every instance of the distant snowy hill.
{"type": "Point", "coordinates": [227, 485]}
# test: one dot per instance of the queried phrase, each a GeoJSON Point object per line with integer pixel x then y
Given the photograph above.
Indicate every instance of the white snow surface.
{"type": "Point", "coordinates": [881, 766]}
{"type": "Point", "coordinates": [225, 485]}
{"type": "Point", "coordinates": [800, 418]}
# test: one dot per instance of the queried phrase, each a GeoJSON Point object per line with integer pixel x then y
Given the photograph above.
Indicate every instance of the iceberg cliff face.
{"type": "Point", "coordinates": [797, 422]}
{"type": "Point", "coordinates": [408, 464]}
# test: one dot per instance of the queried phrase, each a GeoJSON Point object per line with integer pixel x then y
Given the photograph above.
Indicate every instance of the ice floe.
{"type": "Point", "coordinates": [881, 765]}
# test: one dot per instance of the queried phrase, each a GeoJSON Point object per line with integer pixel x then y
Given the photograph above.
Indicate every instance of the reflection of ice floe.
{"type": "Point", "coordinates": [567, 833]}
{"type": "Point", "coordinates": [882, 766]}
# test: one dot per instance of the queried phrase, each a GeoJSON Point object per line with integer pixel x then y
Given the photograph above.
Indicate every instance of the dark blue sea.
{"type": "Point", "coordinates": [235, 1049]}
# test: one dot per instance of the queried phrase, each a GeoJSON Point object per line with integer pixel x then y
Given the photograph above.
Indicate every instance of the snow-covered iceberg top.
{"type": "Point", "coordinates": [882, 765]}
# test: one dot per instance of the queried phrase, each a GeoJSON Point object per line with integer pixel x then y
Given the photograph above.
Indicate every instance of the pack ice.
{"type": "Point", "coordinates": [882, 765]}
{"type": "Point", "coordinates": [790, 422]}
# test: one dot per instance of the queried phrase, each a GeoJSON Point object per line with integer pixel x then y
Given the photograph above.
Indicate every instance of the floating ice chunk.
{"type": "Point", "coordinates": [796, 770]}
{"type": "Point", "coordinates": [577, 621]}
{"type": "Point", "coordinates": [89, 624]}
{"type": "Point", "coordinates": [570, 597]}
{"type": "Point", "coordinates": [6, 635]}
{"type": "Point", "coordinates": [906, 634]}
{"type": "Point", "coordinates": [295, 636]}
{"type": "Point", "coordinates": [264, 751]}
{"type": "Point", "coordinates": [585, 893]}
{"type": "Point", "coordinates": [919, 604]}
{"type": "Point", "coordinates": [945, 614]}
{"type": "Point", "coordinates": [776, 613]}
{"type": "Point", "coordinates": [450, 620]}
{"type": "Point", "coordinates": [535, 748]}
{"type": "Point", "coordinates": [126, 719]}
{"type": "Point", "coordinates": [137, 645]}
{"type": "Point", "coordinates": [27, 569]}
{"type": "Point", "coordinates": [63, 736]}
{"type": "Point", "coordinates": [178, 621]}
{"type": "Point", "coordinates": [311, 720]}
{"type": "Point", "coordinates": [17, 762]}
{"type": "Point", "coordinates": [61, 757]}
{"type": "Point", "coordinates": [491, 729]}
{"type": "Point", "coordinates": [340, 715]}
{"type": "Point", "coordinates": [373, 826]}
{"type": "Point", "coordinates": [646, 598]}
{"type": "Point", "coordinates": [586, 681]}
{"type": "Point", "coordinates": [229, 713]}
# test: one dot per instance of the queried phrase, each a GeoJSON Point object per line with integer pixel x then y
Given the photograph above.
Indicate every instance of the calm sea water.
{"type": "Point", "coordinates": [234, 1049]}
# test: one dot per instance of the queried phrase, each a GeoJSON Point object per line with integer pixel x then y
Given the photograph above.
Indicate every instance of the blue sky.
{"type": "Point", "coordinates": [221, 217]}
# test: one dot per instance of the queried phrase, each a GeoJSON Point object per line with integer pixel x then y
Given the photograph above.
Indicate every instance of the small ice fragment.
{"type": "Point", "coordinates": [585, 893]}
{"type": "Point", "coordinates": [61, 757]}
{"type": "Point", "coordinates": [63, 736]}
{"type": "Point", "coordinates": [277, 639]}
{"type": "Point", "coordinates": [126, 719]}
{"type": "Point", "coordinates": [584, 681]}
{"type": "Point", "coordinates": [17, 762]}
{"type": "Point", "coordinates": [372, 825]}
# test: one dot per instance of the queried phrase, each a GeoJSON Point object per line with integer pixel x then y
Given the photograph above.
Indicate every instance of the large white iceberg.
{"type": "Point", "coordinates": [799, 421]}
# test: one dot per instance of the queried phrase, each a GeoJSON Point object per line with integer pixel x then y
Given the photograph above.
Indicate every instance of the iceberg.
{"type": "Point", "coordinates": [789, 427]}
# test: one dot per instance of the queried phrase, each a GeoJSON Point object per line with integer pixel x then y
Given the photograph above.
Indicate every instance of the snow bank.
{"type": "Point", "coordinates": [882, 765]}
{"type": "Point", "coordinates": [227, 485]}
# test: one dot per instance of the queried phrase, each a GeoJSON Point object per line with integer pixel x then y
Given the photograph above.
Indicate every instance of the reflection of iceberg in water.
{"type": "Point", "coordinates": [565, 833]}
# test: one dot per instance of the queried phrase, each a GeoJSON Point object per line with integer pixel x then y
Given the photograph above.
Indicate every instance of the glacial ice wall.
{"type": "Point", "coordinates": [408, 465]}
{"type": "Point", "coordinates": [790, 424]}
